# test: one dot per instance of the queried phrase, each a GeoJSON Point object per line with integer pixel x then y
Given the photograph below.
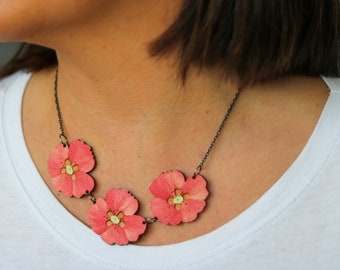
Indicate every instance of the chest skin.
{"type": "Point", "coordinates": [269, 127]}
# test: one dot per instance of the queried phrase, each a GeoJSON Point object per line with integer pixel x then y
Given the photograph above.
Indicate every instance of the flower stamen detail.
{"type": "Point", "coordinates": [178, 199]}
{"type": "Point", "coordinates": [70, 169]}
{"type": "Point", "coordinates": [115, 219]}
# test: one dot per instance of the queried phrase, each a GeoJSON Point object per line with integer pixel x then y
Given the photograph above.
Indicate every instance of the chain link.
{"type": "Point", "coordinates": [218, 132]}
{"type": "Point", "coordinates": [150, 220]}
{"type": "Point", "coordinates": [91, 197]}
{"type": "Point", "coordinates": [62, 137]}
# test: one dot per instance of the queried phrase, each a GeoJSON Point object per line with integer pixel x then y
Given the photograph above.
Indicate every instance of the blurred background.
{"type": "Point", "coordinates": [7, 50]}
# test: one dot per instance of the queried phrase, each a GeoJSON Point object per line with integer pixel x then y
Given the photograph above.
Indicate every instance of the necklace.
{"type": "Point", "coordinates": [176, 199]}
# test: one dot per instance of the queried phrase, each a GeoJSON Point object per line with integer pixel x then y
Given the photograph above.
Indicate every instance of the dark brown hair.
{"type": "Point", "coordinates": [254, 40]}
{"type": "Point", "coordinates": [31, 58]}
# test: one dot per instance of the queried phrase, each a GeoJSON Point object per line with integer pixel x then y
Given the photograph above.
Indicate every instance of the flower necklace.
{"type": "Point", "coordinates": [176, 199]}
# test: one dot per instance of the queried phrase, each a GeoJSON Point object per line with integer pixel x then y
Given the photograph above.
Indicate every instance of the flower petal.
{"type": "Point", "coordinates": [82, 183]}
{"type": "Point", "coordinates": [165, 213]}
{"type": "Point", "coordinates": [97, 215]}
{"type": "Point", "coordinates": [191, 208]}
{"type": "Point", "coordinates": [81, 154]}
{"type": "Point", "coordinates": [115, 235]}
{"type": "Point", "coordinates": [64, 184]}
{"type": "Point", "coordinates": [134, 227]}
{"type": "Point", "coordinates": [166, 183]}
{"type": "Point", "coordinates": [56, 159]}
{"type": "Point", "coordinates": [121, 200]}
{"type": "Point", "coordinates": [196, 188]}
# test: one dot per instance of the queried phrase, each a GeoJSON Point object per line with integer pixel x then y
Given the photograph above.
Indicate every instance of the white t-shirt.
{"type": "Point", "coordinates": [294, 225]}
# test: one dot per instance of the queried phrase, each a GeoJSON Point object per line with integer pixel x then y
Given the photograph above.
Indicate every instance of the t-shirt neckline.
{"type": "Point", "coordinates": [278, 198]}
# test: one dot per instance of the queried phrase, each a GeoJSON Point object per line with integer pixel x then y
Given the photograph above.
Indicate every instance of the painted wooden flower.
{"type": "Point", "coordinates": [114, 220]}
{"type": "Point", "coordinates": [68, 166]}
{"type": "Point", "coordinates": [176, 199]}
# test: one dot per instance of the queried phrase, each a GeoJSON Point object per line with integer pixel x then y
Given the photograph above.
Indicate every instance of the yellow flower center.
{"type": "Point", "coordinates": [69, 169]}
{"type": "Point", "coordinates": [178, 199]}
{"type": "Point", "coordinates": [115, 219]}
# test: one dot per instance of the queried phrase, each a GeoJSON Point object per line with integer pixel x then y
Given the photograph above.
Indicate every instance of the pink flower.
{"type": "Point", "coordinates": [177, 200]}
{"type": "Point", "coordinates": [114, 219]}
{"type": "Point", "coordinates": [68, 166]}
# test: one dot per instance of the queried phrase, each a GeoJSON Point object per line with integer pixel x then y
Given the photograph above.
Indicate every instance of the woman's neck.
{"type": "Point", "coordinates": [105, 67]}
{"type": "Point", "coordinates": [109, 86]}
